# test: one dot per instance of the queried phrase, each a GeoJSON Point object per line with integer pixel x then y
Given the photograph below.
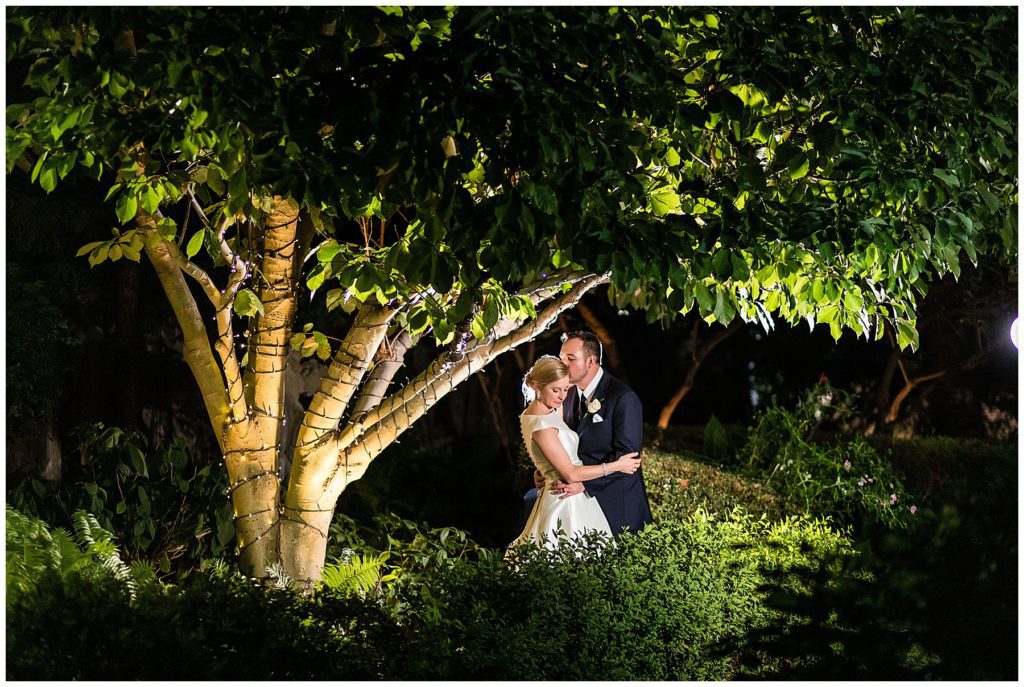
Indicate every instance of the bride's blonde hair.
{"type": "Point", "coordinates": [547, 369]}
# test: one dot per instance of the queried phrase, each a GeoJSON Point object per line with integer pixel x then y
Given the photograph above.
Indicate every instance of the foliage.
{"type": "Point", "coordinates": [934, 602]}
{"type": "Point", "coordinates": [37, 555]}
{"type": "Point", "coordinates": [164, 505]}
{"type": "Point", "coordinates": [652, 607]}
{"type": "Point", "coordinates": [679, 486]}
{"type": "Point", "coordinates": [974, 476]}
{"type": "Point", "coordinates": [806, 163]}
{"type": "Point", "coordinates": [37, 355]}
{"type": "Point", "coordinates": [847, 479]}
{"type": "Point", "coordinates": [357, 573]}
{"type": "Point", "coordinates": [716, 440]}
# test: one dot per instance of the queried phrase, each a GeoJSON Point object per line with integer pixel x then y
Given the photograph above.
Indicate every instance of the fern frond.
{"type": "Point", "coordinates": [277, 573]}
{"type": "Point", "coordinates": [358, 574]}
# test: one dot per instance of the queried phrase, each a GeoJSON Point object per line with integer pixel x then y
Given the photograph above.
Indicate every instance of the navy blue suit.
{"type": "Point", "coordinates": [622, 497]}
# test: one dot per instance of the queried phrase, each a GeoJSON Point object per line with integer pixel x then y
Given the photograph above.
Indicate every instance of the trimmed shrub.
{"type": "Point", "coordinates": [678, 487]}
{"type": "Point", "coordinates": [659, 605]}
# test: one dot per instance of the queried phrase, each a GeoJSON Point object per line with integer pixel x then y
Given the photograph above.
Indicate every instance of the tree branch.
{"type": "Point", "coordinates": [699, 354]}
{"type": "Point", "coordinates": [391, 359]}
{"type": "Point", "coordinates": [268, 353]}
{"type": "Point", "coordinates": [196, 351]}
{"type": "Point", "coordinates": [408, 404]}
{"type": "Point", "coordinates": [348, 367]}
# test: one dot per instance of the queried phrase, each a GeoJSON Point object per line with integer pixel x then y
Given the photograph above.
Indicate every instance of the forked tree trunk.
{"type": "Point", "coordinates": [341, 432]}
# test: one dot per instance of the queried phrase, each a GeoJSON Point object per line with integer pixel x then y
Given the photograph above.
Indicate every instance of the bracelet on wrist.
{"type": "Point", "coordinates": [604, 469]}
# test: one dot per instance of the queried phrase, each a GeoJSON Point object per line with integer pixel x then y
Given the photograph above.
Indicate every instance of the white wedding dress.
{"type": "Point", "coordinates": [551, 515]}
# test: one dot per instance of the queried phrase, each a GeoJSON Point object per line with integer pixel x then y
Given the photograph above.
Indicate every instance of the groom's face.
{"type": "Point", "coordinates": [580, 365]}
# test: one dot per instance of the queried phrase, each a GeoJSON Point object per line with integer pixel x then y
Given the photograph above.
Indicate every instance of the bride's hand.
{"type": "Point", "coordinates": [628, 463]}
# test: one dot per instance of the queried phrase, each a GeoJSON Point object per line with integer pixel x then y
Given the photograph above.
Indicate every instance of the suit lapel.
{"type": "Point", "coordinates": [600, 393]}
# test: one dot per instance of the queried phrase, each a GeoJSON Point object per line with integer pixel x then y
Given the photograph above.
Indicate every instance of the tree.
{"type": "Point", "coordinates": [456, 177]}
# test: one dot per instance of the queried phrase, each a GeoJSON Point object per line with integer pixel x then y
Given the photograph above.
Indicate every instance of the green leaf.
{"type": "Point", "coordinates": [48, 179]}
{"type": "Point", "coordinates": [704, 298]}
{"type": "Point", "coordinates": [740, 269]}
{"type": "Point", "coordinates": [247, 303]}
{"type": "Point", "coordinates": [477, 327]}
{"type": "Point", "coordinates": [238, 192]}
{"type": "Point", "coordinates": [335, 298]}
{"type": "Point", "coordinates": [167, 228]}
{"type": "Point", "coordinates": [99, 254]}
{"type": "Point", "coordinates": [327, 251]}
{"type": "Point", "coordinates": [826, 314]}
{"type": "Point", "coordinates": [150, 199]}
{"type": "Point", "coordinates": [798, 166]}
{"type": "Point", "coordinates": [665, 201]}
{"type": "Point", "coordinates": [948, 177]}
{"type": "Point", "coordinates": [195, 243]}
{"type": "Point", "coordinates": [672, 158]}
{"type": "Point", "coordinates": [87, 248]}
{"type": "Point", "coordinates": [724, 310]}
{"type": "Point", "coordinates": [906, 334]}
{"type": "Point", "coordinates": [316, 277]}
{"type": "Point", "coordinates": [126, 208]}
{"type": "Point", "coordinates": [991, 202]}
{"type": "Point", "coordinates": [38, 167]}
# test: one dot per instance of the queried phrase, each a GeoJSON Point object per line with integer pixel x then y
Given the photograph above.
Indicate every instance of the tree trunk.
{"type": "Point", "coordinates": [327, 462]}
{"type": "Point", "coordinates": [333, 446]}
{"type": "Point", "coordinates": [699, 355]}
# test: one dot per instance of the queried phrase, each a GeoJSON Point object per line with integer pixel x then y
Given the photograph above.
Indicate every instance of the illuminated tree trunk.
{"type": "Point", "coordinates": [326, 461]}
{"type": "Point", "coordinates": [341, 432]}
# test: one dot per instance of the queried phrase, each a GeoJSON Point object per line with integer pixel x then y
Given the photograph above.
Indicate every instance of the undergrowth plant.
{"type": "Point", "coordinates": [37, 553]}
{"type": "Point", "coordinates": [845, 478]}
{"type": "Point", "coordinates": [163, 504]}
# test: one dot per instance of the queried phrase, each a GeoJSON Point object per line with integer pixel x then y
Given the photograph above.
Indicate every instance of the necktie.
{"type": "Point", "coordinates": [572, 414]}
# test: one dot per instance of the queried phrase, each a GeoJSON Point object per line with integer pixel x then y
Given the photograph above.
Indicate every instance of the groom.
{"type": "Point", "coordinates": [608, 417]}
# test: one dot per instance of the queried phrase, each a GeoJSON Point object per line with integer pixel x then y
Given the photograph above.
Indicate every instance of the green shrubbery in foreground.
{"type": "Point", "coordinates": [660, 605]}
{"type": "Point", "coordinates": [728, 584]}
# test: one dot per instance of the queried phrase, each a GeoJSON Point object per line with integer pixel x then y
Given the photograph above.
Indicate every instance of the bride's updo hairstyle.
{"type": "Point", "coordinates": [547, 369]}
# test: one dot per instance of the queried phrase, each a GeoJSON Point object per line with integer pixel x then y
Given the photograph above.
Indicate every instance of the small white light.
{"type": "Point", "coordinates": [1015, 332]}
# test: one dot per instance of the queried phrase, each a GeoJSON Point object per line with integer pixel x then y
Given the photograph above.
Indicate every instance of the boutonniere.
{"type": "Point", "coordinates": [593, 405]}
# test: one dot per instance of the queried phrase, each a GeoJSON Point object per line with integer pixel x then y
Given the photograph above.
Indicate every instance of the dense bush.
{"type": "Point", "coordinates": [970, 474]}
{"type": "Point", "coordinates": [654, 607]}
{"type": "Point", "coordinates": [164, 506]}
{"type": "Point", "coordinates": [936, 601]}
{"type": "Point", "coordinates": [845, 478]}
{"type": "Point", "coordinates": [657, 606]}
{"type": "Point", "coordinates": [678, 487]}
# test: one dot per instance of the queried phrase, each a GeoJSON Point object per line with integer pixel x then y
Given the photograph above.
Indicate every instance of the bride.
{"type": "Point", "coordinates": [552, 447]}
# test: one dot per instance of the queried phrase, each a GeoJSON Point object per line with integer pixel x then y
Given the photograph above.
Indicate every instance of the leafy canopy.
{"type": "Point", "coordinates": [814, 164]}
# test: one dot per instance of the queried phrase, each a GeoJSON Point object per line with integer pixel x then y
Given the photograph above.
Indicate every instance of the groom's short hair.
{"type": "Point", "coordinates": [591, 344]}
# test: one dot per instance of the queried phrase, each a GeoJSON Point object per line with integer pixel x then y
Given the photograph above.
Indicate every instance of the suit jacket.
{"type": "Point", "coordinates": [622, 497]}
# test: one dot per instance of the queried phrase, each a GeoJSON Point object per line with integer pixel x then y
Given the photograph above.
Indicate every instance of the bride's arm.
{"type": "Point", "coordinates": [547, 440]}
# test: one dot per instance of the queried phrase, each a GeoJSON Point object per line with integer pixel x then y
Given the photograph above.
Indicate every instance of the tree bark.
{"type": "Point", "coordinates": [699, 355]}
{"type": "Point", "coordinates": [334, 462]}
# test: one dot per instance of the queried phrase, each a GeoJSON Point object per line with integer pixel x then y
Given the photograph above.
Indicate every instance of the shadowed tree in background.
{"type": "Point", "coordinates": [457, 177]}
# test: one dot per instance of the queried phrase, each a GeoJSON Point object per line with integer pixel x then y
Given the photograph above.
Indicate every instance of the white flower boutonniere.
{"type": "Point", "coordinates": [593, 405]}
